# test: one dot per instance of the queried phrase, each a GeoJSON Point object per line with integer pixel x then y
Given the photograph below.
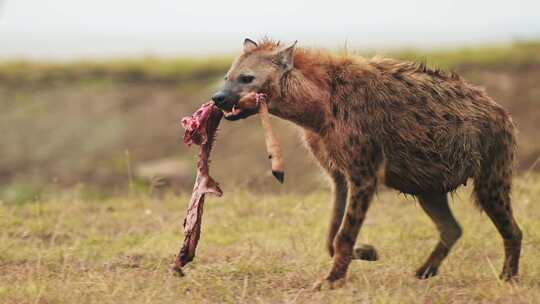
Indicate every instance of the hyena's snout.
{"type": "Point", "coordinates": [225, 99]}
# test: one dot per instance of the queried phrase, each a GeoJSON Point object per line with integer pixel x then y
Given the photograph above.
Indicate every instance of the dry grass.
{"type": "Point", "coordinates": [254, 249]}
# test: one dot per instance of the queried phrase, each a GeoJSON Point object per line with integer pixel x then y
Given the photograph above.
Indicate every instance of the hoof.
{"type": "Point", "coordinates": [426, 272]}
{"type": "Point", "coordinates": [327, 284]}
{"type": "Point", "coordinates": [366, 253]}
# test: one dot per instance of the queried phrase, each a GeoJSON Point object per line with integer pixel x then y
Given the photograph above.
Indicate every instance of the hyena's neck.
{"type": "Point", "coordinates": [304, 102]}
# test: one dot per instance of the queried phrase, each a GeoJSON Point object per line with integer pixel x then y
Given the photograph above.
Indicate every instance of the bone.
{"type": "Point", "coordinates": [200, 130]}
{"type": "Point", "coordinates": [273, 148]}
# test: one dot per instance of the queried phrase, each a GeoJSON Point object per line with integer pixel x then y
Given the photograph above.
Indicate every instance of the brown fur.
{"type": "Point", "coordinates": [427, 131]}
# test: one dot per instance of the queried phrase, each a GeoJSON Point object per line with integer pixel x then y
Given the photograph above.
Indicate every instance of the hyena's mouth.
{"type": "Point", "coordinates": [247, 105]}
{"type": "Point", "coordinates": [236, 114]}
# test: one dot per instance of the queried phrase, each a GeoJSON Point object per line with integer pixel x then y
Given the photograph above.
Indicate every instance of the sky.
{"type": "Point", "coordinates": [113, 28]}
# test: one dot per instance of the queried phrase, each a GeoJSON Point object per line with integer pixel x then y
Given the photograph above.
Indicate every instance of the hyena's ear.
{"type": "Point", "coordinates": [249, 45]}
{"type": "Point", "coordinates": [285, 57]}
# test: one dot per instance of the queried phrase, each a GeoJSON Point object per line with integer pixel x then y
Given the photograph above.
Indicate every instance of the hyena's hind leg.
{"type": "Point", "coordinates": [436, 207]}
{"type": "Point", "coordinates": [340, 192]}
{"type": "Point", "coordinates": [493, 195]}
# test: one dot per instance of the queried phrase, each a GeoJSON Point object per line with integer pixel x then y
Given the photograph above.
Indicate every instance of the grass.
{"type": "Point", "coordinates": [151, 69]}
{"type": "Point", "coordinates": [148, 69]}
{"type": "Point", "coordinates": [515, 54]}
{"type": "Point", "coordinates": [254, 249]}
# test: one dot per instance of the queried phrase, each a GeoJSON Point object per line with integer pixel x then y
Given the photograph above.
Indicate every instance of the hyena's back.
{"type": "Point", "coordinates": [435, 129]}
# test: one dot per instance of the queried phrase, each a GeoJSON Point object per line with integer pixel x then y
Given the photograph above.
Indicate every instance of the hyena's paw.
{"type": "Point", "coordinates": [328, 284]}
{"type": "Point", "coordinates": [176, 268]}
{"type": "Point", "coordinates": [508, 276]}
{"type": "Point", "coordinates": [426, 272]}
{"type": "Point", "coordinates": [366, 253]}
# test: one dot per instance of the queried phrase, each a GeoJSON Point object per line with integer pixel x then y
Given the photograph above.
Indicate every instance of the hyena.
{"type": "Point", "coordinates": [418, 130]}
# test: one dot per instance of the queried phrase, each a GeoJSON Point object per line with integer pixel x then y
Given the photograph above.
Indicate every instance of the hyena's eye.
{"type": "Point", "coordinates": [245, 79]}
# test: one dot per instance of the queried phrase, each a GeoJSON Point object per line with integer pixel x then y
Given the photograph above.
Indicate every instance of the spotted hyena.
{"type": "Point", "coordinates": [418, 130]}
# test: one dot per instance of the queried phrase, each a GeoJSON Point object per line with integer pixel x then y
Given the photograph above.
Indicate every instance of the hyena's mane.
{"type": "Point", "coordinates": [317, 65]}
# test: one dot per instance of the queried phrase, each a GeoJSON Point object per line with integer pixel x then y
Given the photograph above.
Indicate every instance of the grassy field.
{"type": "Point", "coordinates": [78, 223]}
{"type": "Point", "coordinates": [254, 249]}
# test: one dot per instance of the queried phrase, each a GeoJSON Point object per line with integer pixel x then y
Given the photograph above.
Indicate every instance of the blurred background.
{"type": "Point", "coordinates": [92, 92]}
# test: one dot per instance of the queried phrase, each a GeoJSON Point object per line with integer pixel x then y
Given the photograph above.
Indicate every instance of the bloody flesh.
{"type": "Point", "coordinates": [200, 129]}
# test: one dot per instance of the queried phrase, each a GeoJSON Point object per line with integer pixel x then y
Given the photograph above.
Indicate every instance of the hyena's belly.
{"type": "Point", "coordinates": [422, 173]}
{"type": "Point", "coordinates": [433, 158]}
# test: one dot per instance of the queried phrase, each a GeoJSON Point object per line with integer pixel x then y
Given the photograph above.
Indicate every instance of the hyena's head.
{"type": "Point", "coordinates": [258, 69]}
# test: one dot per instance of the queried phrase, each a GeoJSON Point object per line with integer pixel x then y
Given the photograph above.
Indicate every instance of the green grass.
{"type": "Point", "coordinates": [182, 69]}
{"type": "Point", "coordinates": [515, 54]}
{"type": "Point", "coordinates": [148, 69]}
{"type": "Point", "coordinates": [254, 249]}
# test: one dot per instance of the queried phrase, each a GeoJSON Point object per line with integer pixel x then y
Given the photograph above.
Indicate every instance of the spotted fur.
{"type": "Point", "coordinates": [421, 131]}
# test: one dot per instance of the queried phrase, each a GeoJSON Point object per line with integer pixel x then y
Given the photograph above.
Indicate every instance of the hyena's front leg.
{"type": "Point", "coordinates": [340, 192]}
{"type": "Point", "coordinates": [362, 186]}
